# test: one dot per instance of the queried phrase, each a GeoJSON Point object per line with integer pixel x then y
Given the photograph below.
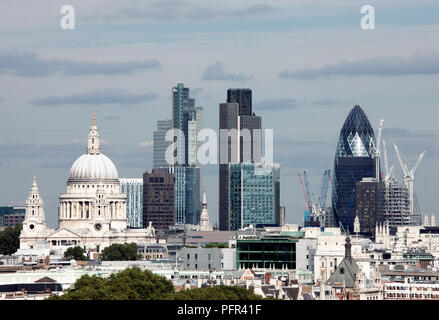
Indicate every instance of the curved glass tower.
{"type": "Point", "coordinates": [353, 162]}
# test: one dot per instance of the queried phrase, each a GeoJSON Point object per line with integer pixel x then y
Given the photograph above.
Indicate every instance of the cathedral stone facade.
{"type": "Point", "coordinates": [92, 211]}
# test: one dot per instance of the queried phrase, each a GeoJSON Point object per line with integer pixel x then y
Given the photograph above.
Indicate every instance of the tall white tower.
{"type": "Point", "coordinates": [35, 219]}
{"type": "Point", "coordinates": [204, 218]}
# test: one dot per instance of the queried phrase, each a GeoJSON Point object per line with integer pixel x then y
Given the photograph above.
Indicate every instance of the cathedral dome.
{"type": "Point", "coordinates": [93, 166]}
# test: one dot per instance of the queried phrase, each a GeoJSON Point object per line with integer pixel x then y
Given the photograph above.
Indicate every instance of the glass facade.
{"type": "Point", "coordinates": [133, 188]}
{"type": "Point", "coordinates": [187, 201]}
{"type": "Point", "coordinates": [278, 253]}
{"type": "Point", "coordinates": [254, 195]}
{"type": "Point", "coordinates": [353, 162]}
{"type": "Point", "coordinates": [160, 144]}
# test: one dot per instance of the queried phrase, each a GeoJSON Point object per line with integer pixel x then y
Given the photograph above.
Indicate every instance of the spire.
{"type": "Point", "coordinates": [204, 217]}
{"type": "Point", "coordinates": [34, 185]}
{"type": "Point", "coordinates": [93, 138]}
{"type": "Point", "coordinates": [347, 246]}
{"type": "Point", "coordinates": [34, 204]}
{"type": "Point", "coordinates": [204, 200]}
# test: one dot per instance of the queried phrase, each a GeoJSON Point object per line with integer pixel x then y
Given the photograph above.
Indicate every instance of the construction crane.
{"type": "Point", "coordinates": [376, 151]}
{"type": "Point", "coordinates": [324, 189]}
{"type": "Point", "coordinates": [409, 176]}
{"type": "Point", "coordinates": [316, 209]}
{"type": "Point", "coordinates": [386, 164]}
{"type": "Point", "coordinates": [308, 192]}
{"type": "Point", "coordinates": [304, 192]}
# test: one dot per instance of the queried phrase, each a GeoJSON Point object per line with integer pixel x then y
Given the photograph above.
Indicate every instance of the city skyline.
{"type": "Point", "coordinates": [127, 76]}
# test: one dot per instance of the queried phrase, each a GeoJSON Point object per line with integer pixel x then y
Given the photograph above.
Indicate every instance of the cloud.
{"type": "Point", "coordinates": [279, 104]}
{"type": "Point", "coordinates": [181, 10]}
{"type": "Point", "coordinates": [146, 144]}
{"type": "Point", "coordinates": [379, 66]}
{"type": "Point", "coordinates": [97, 97]}
{"type": "Point", "coordinates": [1, 99]}
{"type": "Point", "coordinates": [218, 72]}
{"type": "Point", "coordinates": [111, 118]}
{"type": "Point", "coordinates": [396, 132]}
{"type": "Point", "coordinates": [326, 102]}
{"type": "Point", "coordinates": [28, 64]}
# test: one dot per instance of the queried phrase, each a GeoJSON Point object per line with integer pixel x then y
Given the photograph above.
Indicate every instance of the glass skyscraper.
{"type": "Point", "coordinates": [133, 188]}
{"type": "Point", "coordinates": [254, 195]}
{"type": "Point", "coordinates": [187, 170]}
{"type": "Point", "coordinates": [160, 143]}
{"type": "Point", "coordinates": [353, 162]}
{"type": "Point", "coordinates": [236, 114]}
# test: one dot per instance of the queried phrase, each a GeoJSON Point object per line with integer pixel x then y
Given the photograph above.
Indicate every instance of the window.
{"type": "Point", "coordinates": [341, 270]}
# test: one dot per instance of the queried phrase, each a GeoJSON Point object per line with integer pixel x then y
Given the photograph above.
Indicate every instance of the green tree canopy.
{"type": "Point", "coordinates": [10, 239]}
{"type": "Point", "coordinates": [217, 293]}
{"type": "Point", "coordinates": [120, 252]}
{"type": "Point", "coordinates": [76, 253]}
{"type": "Point", "coordinates": [135, 284]}
{"type": "Point", "coordinates": [130, 284]}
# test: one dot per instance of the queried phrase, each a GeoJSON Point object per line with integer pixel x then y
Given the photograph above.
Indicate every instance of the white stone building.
{"type": "Point", "coordinates": [92, 211]}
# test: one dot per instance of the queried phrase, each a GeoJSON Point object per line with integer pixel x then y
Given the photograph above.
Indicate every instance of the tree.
{"type": "Point", "coordinates": [76, 253]}
{"type": "Point", "coordinates": [135, 284]}
{"type": "Point", "coordinates": [217, 293]}
{"type": "Point", "coordinates": [130, 284]}
{"type": "Point", "coordinates": [10, 239]}
{"type": "Point", "coordinates": [120, 252]}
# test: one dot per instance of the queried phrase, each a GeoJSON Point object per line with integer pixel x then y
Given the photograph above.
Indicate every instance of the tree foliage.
{"type": "Point", "coordinates": [135, 284]}
{"type": "Point", "coordinates": [120, 252]}
{"type": "Point", "coordinates": [76, 253]}
{"type": "Point", "coordinates": [10, 239]}
{"type": "Point", "coordinates": [217, 293]}
{"type": "Point", "coordinates": [130, 284]}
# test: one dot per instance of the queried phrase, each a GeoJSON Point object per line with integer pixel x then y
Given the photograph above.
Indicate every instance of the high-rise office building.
{"type": "Point", "coordinates": [158, 199]}
{"type": "Point", "coordinates": [254, 195]}
{"type": "Point", "coordinates": [186, 169]}
{"type": "Point", "coordinates": [183, 110]}
{"type": "Point", "coordinates": [396, 208]}
{"type": "Point", "coordinates": [369, 201]}
{"type": "Point", "coordinates": [243, 97]}
{"type": "Point", "coordinates": [236, 114]}
{"type": "Point", "coordinates": [133, 188]}
{"type": "Point", "coordinates": [160, 143]}
{"type": "Point", "coordinates": [11, 215]}
{"type": "Point", "coordinates": [187, 207]}
{"type": "Point", "coordinates": [353, 162]}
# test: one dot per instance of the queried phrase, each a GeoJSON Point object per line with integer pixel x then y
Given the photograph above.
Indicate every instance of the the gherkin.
{"type": "Point", "coordinates": [353, 162]}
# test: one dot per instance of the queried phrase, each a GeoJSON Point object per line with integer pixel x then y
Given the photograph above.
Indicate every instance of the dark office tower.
{"type": "Point", "coordinates": [243, 97]}
{"type": "Point", "coordinates": [236, 114]}
{"type": "Point", "coordinates": [369, 203]}
{"type": "Point", "coordinates": [228, 119]}
{"type": "Point", "coordinates": [353, 162]}
{"type": "Point", "coordinates": [158, 199]}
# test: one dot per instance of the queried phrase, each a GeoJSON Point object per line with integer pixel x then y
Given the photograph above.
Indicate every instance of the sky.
{"type": "Point", "coordinates": [308, 62]}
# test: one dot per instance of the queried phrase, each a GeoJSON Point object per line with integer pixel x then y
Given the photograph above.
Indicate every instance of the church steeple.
{"type": "Point", "coordinates": [204, 217]}
{"type": "Point", "coordinates": [93, 138]}
{"type": "Point", "coordinates": [35, 218]}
